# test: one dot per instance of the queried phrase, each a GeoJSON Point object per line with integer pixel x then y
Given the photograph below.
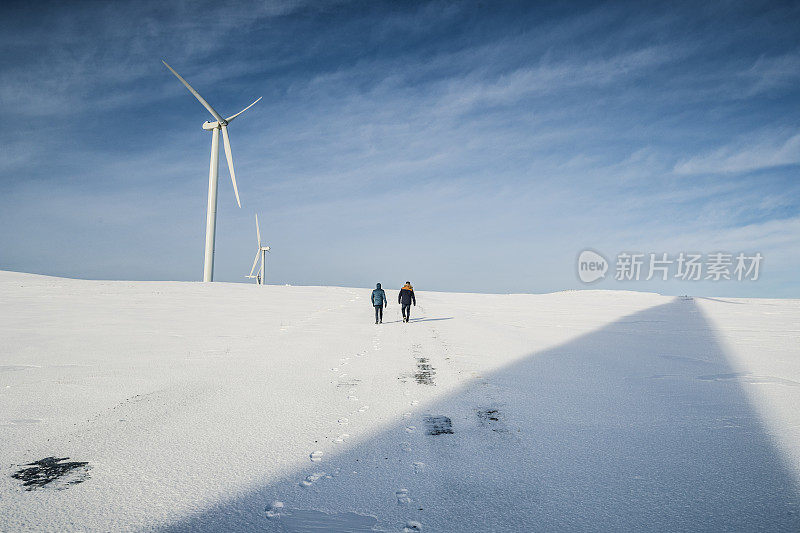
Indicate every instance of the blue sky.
{"type": "Point", "coordinates": [466, 146]}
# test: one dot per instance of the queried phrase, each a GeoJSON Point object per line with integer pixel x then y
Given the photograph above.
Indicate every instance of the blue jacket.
{"type": "Point", "coordinates": [379, 297]}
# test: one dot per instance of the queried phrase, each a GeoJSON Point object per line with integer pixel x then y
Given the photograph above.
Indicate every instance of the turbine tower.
{"type": "Point", "coordinates": [262, 253]}
{"type": "Point", "coordinates": [213, 171]}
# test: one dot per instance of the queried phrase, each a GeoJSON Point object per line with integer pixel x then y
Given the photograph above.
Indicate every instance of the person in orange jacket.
{"type": "Point", "coordinates": [405, 298]}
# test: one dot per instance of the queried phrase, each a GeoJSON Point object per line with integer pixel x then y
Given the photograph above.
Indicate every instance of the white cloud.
{"type": "Point", "coordinates": [744, 156]}
{"type": "Point", "coordinates": [769, 73]}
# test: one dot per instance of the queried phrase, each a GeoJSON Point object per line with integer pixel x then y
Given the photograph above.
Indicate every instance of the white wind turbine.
{"type": "Point", "coordinates": [213, 171]}
{"type": "Point", "coordinates": [262, 253]}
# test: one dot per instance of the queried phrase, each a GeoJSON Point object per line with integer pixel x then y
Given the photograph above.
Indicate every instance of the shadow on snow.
{"type": "Point", "coordinates": [610, 431]}
{"type": "Point", "coordinates": [419, 320]}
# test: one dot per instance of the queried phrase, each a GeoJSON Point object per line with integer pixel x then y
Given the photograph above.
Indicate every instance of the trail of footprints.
{"type": "Point", "coordinates": [424, 376]}
{"type": "Point", "coordinates": [317, 456]}
{"type": "Point", "coordinates": [433, 425]}
{"type": "Point", "coordinates": [351, 393]}
{"type": "Point", "coordinates": [342, 380]}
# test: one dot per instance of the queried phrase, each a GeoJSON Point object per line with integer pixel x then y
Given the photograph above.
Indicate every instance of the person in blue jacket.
{"type": "Point", "coordinates": [379, 301]}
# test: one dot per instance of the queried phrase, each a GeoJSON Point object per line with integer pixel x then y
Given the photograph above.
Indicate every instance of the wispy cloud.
{"type": "Point", "coordinates": [770, 73]}
{"type": "Point", "coordinates": [744, 155]}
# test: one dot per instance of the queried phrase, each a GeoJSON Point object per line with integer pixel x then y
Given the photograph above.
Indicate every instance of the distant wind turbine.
{"type": "Point", "coordinates": [213, 171]}
{"type": "Point", "coordinates": [262, 253]}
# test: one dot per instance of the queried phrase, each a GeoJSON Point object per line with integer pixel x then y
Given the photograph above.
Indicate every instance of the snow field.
{"type": "Point", "coordinates": [235, 407]}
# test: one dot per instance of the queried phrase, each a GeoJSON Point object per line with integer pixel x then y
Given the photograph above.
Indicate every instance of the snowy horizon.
{"type": "Point", "coordinates": [467, 147]}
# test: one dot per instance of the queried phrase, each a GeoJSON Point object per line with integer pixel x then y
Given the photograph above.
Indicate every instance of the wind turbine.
{"type": "Point", "coordinates": [262, 253]}
{"type": "Point", "coordinates": [213, 171]}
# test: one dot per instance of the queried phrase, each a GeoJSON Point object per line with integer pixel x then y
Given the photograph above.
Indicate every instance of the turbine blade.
{"type": "Point", "coordinates": [227, 142]}
{"type": "Point", "coordinates": [195, 93]}
{"type": "Point", "coordinates": [255, 262]}
{"type": "Point", "coordinates": [230, 118]}
{"type": "Point", "coordinates": [258, 232]}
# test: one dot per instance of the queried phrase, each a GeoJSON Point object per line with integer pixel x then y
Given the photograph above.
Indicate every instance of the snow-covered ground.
{"type": "Point", "coordinates": [227, 407]}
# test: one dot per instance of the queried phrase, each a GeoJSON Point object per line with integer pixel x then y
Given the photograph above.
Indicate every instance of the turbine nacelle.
{"type": "Point", "coordinates": [213, 125]}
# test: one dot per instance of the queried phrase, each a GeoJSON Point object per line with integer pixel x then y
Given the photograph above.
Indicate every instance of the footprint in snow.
{"type": "Point", "coordinates": [405, 446]}
{"type": "Point", "coordinates": [353, 398]}
{"type": "Point", "coordinates": [363, 408]}
{"type": "Point", "coordinates": [438, 425]}
{"type": "Point", "coordinates": [411, 429]}
{"type": "Point", "coordinates": [419, 467]}
{"type": "Point", "coordinates": [492, 418]}
{"type": "Point", "coordinates": [341, 438]}
{"type": "Point", "coordinates": [414, 402]}
{"type": "Point", "coordinates": [402, 497]}
{"type": "Point", "coordinates": [412, 526]}
{"type": "Point", "coordinates": [313, 478]}
{"type": "Point", "coordinates": [274, 510]}
{"type": "Point", "coordinates": [316, 456]}
{"type": "Point", "coordinates": [343, 421]}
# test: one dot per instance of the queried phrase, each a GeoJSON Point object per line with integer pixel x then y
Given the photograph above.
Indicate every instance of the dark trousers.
{"type": "Point", "coordinates": [406, 309]}
{"type": "Point", "coordinates": [379, 313]}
